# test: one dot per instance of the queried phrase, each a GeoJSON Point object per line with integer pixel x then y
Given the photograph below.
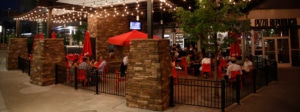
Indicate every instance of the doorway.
{"type": "Point", "coordinates": [278, 49]}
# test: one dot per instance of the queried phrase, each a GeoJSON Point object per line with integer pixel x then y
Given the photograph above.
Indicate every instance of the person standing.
{"type": "Point", "coordinates": [123, 67]}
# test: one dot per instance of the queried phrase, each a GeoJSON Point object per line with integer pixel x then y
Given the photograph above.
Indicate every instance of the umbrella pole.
{"type": "Point", "coordinates": [149, 18]}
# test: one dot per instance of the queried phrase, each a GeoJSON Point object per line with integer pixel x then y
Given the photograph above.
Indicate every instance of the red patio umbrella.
{"type": "Point", "coordinates": [124, 39]}
{"type": "Point", "coordinates": [53, 35]}
{"type": "Point", "coordinates": [235, 50]}
{"type": "Point", "coordinates": [87, 47]}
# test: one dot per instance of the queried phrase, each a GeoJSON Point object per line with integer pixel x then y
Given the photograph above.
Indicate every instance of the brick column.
{"type": "Point", "coordinates": [17, 47]}
{"type": "Point", "coordinates": [47, 53]}
{"type": "Point", "coordinates": [148, 73]}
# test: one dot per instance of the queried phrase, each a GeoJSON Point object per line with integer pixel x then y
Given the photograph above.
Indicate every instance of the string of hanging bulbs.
{"type": "Point", "coordinates": [67, 14]}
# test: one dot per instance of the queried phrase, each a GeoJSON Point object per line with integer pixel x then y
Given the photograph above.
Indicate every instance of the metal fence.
{"type": "Point", "coordinates": [24, 65]}
{"type": "Point", "coordinates": [109, 83]}
{"type": "Point", "coordinates": [221, 94]}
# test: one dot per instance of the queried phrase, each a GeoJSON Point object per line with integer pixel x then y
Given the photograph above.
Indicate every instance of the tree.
{"type": "Point", "coordinates": [79, 35]}
{"type": "Point", "coordinates": [210, 17]}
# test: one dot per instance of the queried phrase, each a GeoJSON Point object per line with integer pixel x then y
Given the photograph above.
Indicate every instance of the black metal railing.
{"type": "Point", "coordinates": [196, 92]}
{"type": "Point", "coordinates": [24, 65]}
{"type": "Point", "coordinates": [221, 94]}
{"type": "Point", "coordinates": [109, 83]}
{"type": "Point", "coordinates": [259, 61]}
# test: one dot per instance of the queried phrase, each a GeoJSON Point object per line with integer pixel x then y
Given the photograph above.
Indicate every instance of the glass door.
{"type": "Point", "coordinates": [278, 49]}
{"type": "Point", "coordinates": [269, 49]}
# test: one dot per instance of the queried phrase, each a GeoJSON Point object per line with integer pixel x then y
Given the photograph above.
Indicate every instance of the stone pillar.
{"type": "Point", "coordinates": [148, 75]}
{"type": "Point", "coordinates": [16, 47]}
{"type": "Point", "coordinates": [46, 53]}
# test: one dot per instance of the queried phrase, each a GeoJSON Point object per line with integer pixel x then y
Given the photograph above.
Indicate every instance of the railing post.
{"type": "Point", "coordinates": [275, 70]}
{"type": "Point", "coordinates": [23, 65]}
{"type": "Point", "coordinates": [257, 62]}
{"type": "Point", "coordinates": [19, 65]}
{"type": "Point", "coordinates": [171, 104]}
{"type": "Point", "coordinates": [75, 79]}
{"type": "Point", "coordinates": [223, 95]}
{"type": "Point", "coordinates": [97, 82]}
{"type": "Point", "coordinates": [254, 80]}
{"type": "Point", "coordinates": [238, 89]}
{"type": "Point", "coordinates": [56, 74]}
{"type": "Point", "coordinates": [29, 67]}
{"type": "Point", "coordinates": [267, 74]}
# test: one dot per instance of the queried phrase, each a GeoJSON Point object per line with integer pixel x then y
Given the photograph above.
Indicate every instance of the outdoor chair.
{"type": "Point", "coordinates": [223, 63]}
{"type": "Point", "coordinates": [220, 72]}
{"type": "Point", "coordinates": [119, 79]}
{"type": "Point", "coordinates": [185, 67]}
{"type": "Point", "coordinates": [248, 79]}
{"type": "Point", "coordinates": [68, 71]}
{"type": "Point", "coordinates": [174, 73]}
{"type": "Point", "coordinates": [103, 74]}
{"type": "Point", "coordinates": [206, 68]}
{"type": "Point", "coordinates": [182, 62]}
{"type": "Point", "coordinates": [233, 75]}
{"type": "Point", "coordinates": [81, 76]}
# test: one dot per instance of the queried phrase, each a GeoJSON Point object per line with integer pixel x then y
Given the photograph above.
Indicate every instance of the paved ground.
{"type": "Point", "coordinates": [18, 95]}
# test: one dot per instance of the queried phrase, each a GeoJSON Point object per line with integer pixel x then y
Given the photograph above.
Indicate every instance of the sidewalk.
{"type": "Point", "coordinates": [18, 95]}
{"type": "Point", "coordinates": [279, 96]}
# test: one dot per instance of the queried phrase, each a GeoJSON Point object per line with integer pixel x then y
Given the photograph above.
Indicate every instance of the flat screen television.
{"type": "Point", "coordinates": [135, 25]}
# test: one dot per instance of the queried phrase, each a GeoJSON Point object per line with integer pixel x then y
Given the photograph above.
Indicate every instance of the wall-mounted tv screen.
{"type": "Point", "coordinates": [135, 25]}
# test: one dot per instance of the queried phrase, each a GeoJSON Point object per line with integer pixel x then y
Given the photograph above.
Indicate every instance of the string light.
{"type": "Point", "coordinates": [71, 14]}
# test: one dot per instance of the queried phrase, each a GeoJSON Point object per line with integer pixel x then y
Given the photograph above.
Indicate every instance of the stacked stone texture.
{"type": "Point", "coordinates": [104, 28]}
{"type": "Point", "coordinates": [148, 75]}
{"type": "Point", "coordinates": [17, 47]}
{"type": "Point", "coordinates": [47, 53]}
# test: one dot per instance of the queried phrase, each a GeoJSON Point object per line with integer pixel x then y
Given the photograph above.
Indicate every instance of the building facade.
{"type": "Point", "coordinates": [275, 32]}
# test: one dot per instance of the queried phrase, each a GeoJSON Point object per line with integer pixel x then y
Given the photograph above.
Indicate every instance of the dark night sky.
{"type": "Point", "coordinates": [5, 4]}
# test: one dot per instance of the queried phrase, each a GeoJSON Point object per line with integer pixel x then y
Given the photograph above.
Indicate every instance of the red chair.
{"type": "Point", "coordinates": [182, 62]}
{"type": "Point", "coordinates": [68, 70]}
{"type": "Point", "coordinates": [118, 79]}
{"type": "Point", "coordinates": [233, 75]}
{"type": "Point", "coordinates": [223, 63]}
{"type": "Point", "coordinates": [207, 69]}
{"type": "Point", "coordinates": [81, 76]}
{"type": "Point", "coordinates": [174, 73]}
{"type": "Point", "coordinates": [220, 73]}
{"type": "Point", "coordinates": [185, 67]}
{"type": "Point", "coordinates": [103, 74]}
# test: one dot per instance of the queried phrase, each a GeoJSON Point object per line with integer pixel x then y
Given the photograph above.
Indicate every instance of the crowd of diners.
{"type": "Point", "coordinates": [195, 59]}
{"type": "Point", "coordinates": [90, 64]}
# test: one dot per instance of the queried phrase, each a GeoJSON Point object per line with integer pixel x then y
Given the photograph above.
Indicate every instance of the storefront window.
{"type": "Point", "coordinates": [258, 42]}
{"type": "Point", "coordinates": [275, 32]}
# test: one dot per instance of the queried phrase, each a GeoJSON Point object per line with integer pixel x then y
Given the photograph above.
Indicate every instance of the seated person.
{"type": "Point", "coordinates": [205, 60]}
{"type": "Point", "coordinates": [111, 54]}
{"type": "Point", "coordinates": [189, 61]}
{"type": "Point", "coordinates": [102, 65]}
{"type": "Point", "coordinates": [233, 67]}
{"type": "Point", "coordinates": [247, 66]}
{"type": "Point", "coordinates": [84, 65]}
